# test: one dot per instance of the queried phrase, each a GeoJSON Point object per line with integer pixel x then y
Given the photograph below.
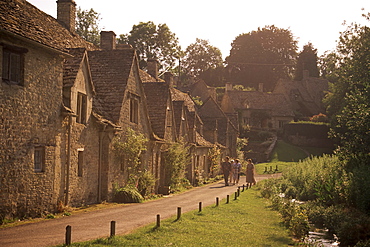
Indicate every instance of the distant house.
{"type": "Point", "coordinates": [258, 109]}
{"type": "Point", "coordinates": [305, 96]}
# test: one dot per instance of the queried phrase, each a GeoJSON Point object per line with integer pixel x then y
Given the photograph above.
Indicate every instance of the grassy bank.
{"type": "Point", "coordinates": [247, 221]}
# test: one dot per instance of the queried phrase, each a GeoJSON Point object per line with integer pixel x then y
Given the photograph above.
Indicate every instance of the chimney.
{"type": "Point", "coordinates": [152, 67]}
{"type": "Point", "coordinates": [107, 40]}
{"type": "Point", "coordinates": [66, 14]}
{"type": "Point", "coordinates": [168, 77]}
{"type": "Point", "coordinates": [229, 86]}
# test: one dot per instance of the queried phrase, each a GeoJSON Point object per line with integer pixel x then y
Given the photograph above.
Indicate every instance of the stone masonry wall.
{"type": "Point", "coordinates": [30, 117]}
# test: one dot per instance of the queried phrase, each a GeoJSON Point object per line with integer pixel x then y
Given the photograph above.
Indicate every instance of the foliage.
{"type": "Point", "coordinates": [319, 118]}
{"type": "Point", "coordinates": [153, 41]}
{"type": "Point", "coordinates": [200, 57]}
{"type": "Point", "coordinates": [127, 195]}
{"type": "Point", "coordinates": [145, 182]}
{"type": "Point", "coordinates": [214, 157]}
{"type": "Point", "coordinates": [128, 152]}
{"type": "Point", "coordinates": [87, 25]}
{"type": "Point", "coordinates": [262, 56]}
{"type": "Point", "coordinates": [176, 158]}
{"type": "Point", "coordinates": [307, 60]}
{"type": "Point", "coordinates": [349, 102]}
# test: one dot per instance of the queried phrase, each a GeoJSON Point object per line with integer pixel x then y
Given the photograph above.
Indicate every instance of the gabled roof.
{"type": "Point", "coordinates": [73, 64]}
{"type": "Point", "coordinates": [255, 100]}
{"type": "Point", "coordinates": [23, 19]}
{"type": "Point", "coordinates": [110, 71]}
{"type": "Point", "coordinates": [157, 95]}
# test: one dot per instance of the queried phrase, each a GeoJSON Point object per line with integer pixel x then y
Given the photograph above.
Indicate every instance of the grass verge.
{"type": "Point", "coordinates": [247, 221]}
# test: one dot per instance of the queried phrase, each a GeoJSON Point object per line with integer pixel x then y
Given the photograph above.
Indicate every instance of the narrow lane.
{"type": "Point", "coordinates": [96, 224]}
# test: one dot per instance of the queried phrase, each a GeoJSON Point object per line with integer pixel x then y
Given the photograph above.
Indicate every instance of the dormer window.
{"type": "Point", "coordinates": [13, 65]}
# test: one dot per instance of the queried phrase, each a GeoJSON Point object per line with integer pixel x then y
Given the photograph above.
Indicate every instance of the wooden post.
{"type": "Point", "coordinates": [217, 201]}
{"type": "Point", "coordinates": [236, 195]}
{"type": "Point", "coordinates": [112, 228]}
{"type": "Point", "coordinates": [238, 192]}
{"type": "Point", "coordinates": [178, 213]}
{"type": "Point", "coordinates": [68, 235]}
{"type": "Point", "coordinates": [243, 188]}
{"type": "Point", "coordinates": [200, 206]}
{"type": "Point", "coordinates": [158, 220]}
{"type": "Point", "coordinates": [227, 199]}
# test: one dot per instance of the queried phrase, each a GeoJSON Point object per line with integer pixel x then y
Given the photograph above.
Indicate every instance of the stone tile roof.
{"type": "Point", "coordinates": [200, 141]}
{"type": "Point", "coordinates": [276, 103]}
{"type": "Point", "coordinates": [22, 18]}
{"type": "Point", "coordinates": [110, 70]}
{"type": "Point", "coordinates": [157, 95]}
{"type": "Point", "coordinates": [311, 91]}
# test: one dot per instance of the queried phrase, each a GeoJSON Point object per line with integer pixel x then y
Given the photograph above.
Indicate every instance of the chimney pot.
{"type": "Point", "coordinates": [228, 86]}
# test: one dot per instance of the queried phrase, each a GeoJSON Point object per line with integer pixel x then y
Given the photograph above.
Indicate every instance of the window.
{"type": "Point", "coordinates": [12, 67]}
{"type": "Point", "coordinates": [39, 159]}
{"type": "Point", "coordinates": [134, 109]}
{"type": "Point", "coordinates": [81, 108]}
{"type": "Point", "coordinates": [80, 162]}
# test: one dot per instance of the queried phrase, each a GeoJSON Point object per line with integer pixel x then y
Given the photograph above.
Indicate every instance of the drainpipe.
{"type": "Point", "coordinates": [68, 160]}
{"type": "Point", "coordinates": [101, 133]}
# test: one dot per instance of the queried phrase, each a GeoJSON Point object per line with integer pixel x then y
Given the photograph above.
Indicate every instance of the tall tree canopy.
{"type": "Point", "coordinates": [153, 42]}
{"type": "Point", "coordinates": [262, 56]}
{"type": "Point", "coordinates": [350, 99]}
{"type": "Point", "coordinates": [87, 25]}
{"type": "Point", "coordinates": [307, 60]}
{"type": "Point", "coordinates": [201, 56]}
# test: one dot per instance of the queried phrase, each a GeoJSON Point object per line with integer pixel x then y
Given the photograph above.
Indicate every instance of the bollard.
{"type": "Point", "coordinates": [227, 198]}
{"type": "Point", "coordinates": [112, 228]}
{"type": "Point", "coordinates": [178, 213]}
{"type": "Point", "coordinates": [265, 169]}
{"type": "Point", "coordinates": [243, 188]}
{"type": "Point", "coordinates": [68, 235]}
{"type": "Point", "coordinates": [236, 195]}
{"type": "Point", "coordinates": [158, 220]}
{"type": "Point", "coordinates": [270, 168]}
{"type": "Point", "coordinates": [238, 192]}
{"type": "Point", "coordinates": [200, 206]}
{"type": "Point", "coordinates": [217, 201]}
{"type": "Point", "coordinates": [276, 168]}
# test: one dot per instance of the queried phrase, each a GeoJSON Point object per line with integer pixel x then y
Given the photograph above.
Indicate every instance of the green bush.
{"type": "Point", "coordinates": [127, 195]}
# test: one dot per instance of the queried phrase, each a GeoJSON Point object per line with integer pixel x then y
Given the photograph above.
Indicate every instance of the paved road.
{"type": "Point", "coordinates": [96, 224]}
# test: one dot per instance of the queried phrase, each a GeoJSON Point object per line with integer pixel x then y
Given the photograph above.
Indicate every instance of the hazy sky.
{"type": "Point", "coordinates": [220, 22]}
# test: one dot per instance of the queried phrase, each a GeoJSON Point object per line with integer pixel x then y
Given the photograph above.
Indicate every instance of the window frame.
{"type": "Point", "coordinates": [80, 162]}
{"type": "Point", "coordinates": [134, 108]}
{"type": "Point", "coordinates": [81, 106]}
{"type": "Point", "coordinates": [39, 159]}
{"type": "Point", "coordinates": [13, 60]}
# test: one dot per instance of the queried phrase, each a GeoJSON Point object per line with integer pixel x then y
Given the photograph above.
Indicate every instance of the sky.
{"type": "Point", "coordinates": [220, 22]}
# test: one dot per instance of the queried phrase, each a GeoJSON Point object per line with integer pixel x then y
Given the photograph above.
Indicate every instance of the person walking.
{"type": "Point", "coordinates": [226, 167]}
{"type": "Point", "coordinates": [236, 171]}
{"type": "Point", "coordinates": [250, 173]}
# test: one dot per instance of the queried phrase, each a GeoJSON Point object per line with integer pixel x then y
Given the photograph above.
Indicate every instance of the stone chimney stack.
{"type": "Point", "coordinates": [152, 67]}
{"type": "Point", "coordinates": [168, 77]}
{"type": "Point", "coordinates": [66, 14]}
{"type": "Point", "coordinates": [229, 86]}
{"type": "Point", "coordinates": [107, 40]}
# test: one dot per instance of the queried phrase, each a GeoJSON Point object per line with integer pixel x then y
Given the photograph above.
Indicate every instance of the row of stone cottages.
{"type": "Point", "coordinates": [63, 100]}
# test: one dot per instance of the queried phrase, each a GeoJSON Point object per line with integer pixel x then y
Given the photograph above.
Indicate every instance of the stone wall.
{"type": "Point", "coordinates": [30, 117]}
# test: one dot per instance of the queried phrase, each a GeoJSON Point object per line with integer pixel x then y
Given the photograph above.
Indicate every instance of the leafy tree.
{"type": "Point", "coordinates": [262, 56]}
{"type": "Point", "coordinates": [153, 42]}
{"type": "Point", "coordinates": [350, 99]}
{"type": "Point", "coordinates": [87, 25]}
{"type": "Point", "coordinates": [307, 60]}
{"type": "Point", "coordinates": [200, 57]}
